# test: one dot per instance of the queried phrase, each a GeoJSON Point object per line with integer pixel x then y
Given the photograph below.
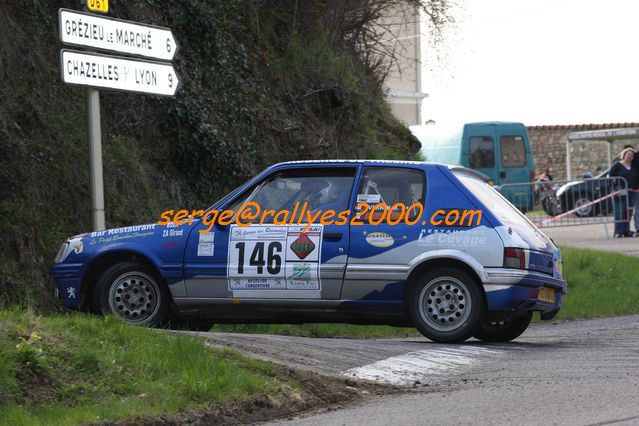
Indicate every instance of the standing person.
{"type": "Point", "coordinates": [625, 170]}
{"type": "Point", "coordinates": [633, 200]}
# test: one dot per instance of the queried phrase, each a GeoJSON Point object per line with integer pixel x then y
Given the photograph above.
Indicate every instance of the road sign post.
{"type": "Point", "coordinates": [95, 159]}
{"type": "Point", "coordinates": [96, 71]}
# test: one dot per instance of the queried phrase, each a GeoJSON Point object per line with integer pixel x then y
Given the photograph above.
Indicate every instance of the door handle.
{"type": "Point", "coordinates": [502, 175]}
{"type": "Point", "coordinates": [332, 236]}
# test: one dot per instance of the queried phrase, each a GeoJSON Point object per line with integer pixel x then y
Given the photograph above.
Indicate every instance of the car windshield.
{"type": "Point", "coordinates": [507, 214]}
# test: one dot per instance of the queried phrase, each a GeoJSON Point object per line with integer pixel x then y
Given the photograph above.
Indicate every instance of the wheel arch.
{"type": "Point", "coordinates": [101, 263]}
{"type": "Point", "coordinates": [474, 270]}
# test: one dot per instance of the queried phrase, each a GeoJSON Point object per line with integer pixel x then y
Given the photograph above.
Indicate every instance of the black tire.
{"type": "Point", "coordinates": [133, 293]}
{"type": "Point", "coordinates": [463, 312]}
{"type": "Point", "coordinates": [549, 205]}
{"type": "Point", "coordinates": [581, 199]}
{"type": "Point", "coordinates": [503, 331]}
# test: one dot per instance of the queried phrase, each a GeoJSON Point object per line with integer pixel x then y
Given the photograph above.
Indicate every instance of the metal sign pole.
{"type": "Point", "coordinates": [95, 154]}
{"type": "Point", "coordinates": [95, 158]}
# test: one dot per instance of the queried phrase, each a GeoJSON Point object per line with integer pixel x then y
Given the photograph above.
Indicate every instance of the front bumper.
{"type": "Point", "coordinates": [509, 290]}
{"type": "Point", "coordinates": [67, 278]}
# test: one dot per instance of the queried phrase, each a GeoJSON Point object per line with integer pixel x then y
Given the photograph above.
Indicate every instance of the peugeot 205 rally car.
{"type": "Point", "coordinates": [451, 280]}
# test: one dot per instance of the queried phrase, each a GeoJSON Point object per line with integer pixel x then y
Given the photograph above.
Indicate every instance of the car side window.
{"type": "Point", "coordinates": [513, 151]}
{"type": "Point", "coordinates": [391, 185]}
{"type": "Point", "coordinates": [482, 152]}
{"type": "Point", "coordinates": [321, 189]}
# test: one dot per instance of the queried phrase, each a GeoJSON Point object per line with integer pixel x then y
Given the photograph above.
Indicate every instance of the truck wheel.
{"type": "Point", "coordinates": [133, 293]}
{"type": "Point", "coordinates": [447, 305]}
{"type": "Point", "coordinates": [503, 331]}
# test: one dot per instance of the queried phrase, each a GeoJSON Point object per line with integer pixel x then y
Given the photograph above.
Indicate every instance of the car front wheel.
{"type": "Point", "coordinates": [447, 305]}
{"type": "Point", "coordinates": [503, 331]}
{"type": "Point", "coordinates": [581, 203]}
{"type": "Point", "coordinates": [133, 293]}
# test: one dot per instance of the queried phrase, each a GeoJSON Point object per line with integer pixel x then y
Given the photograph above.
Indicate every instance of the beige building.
{"type": "Point", "coordinates": [404, 31]}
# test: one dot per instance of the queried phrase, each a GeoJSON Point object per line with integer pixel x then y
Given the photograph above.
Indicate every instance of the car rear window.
{"type": "Point", "coordinates": [507, 214]}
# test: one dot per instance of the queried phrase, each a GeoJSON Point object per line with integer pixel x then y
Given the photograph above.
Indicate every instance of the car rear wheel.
{"type": "Point", "coordinates": [447, 305]}
{"type": "Point", "coordinates": [133, 293]}
{"type": "Point", "coordinates": [503, 331]}
{"type": "Point", "coordinates": [549, 204]}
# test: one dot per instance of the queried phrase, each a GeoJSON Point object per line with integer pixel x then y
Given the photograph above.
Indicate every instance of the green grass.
{"type": "Point", "coordinates": [79, 368]}
{"type": "Point", "coordinates": [600, 284]}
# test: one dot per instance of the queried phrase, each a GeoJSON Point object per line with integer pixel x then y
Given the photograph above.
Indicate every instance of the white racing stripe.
{"type": "Point", "coordinates": [416, 366]}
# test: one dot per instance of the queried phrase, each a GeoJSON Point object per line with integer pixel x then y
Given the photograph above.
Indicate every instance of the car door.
{"type": "Point", "coordinates": [379, 253]}
{"type": "Point", "coordinates": [277, 256]}
{"type": "Point", "coordinates": [514, 167]}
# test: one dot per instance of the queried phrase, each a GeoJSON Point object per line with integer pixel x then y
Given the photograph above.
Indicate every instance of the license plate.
{"type": "Point", "coordinates": [546, 295]}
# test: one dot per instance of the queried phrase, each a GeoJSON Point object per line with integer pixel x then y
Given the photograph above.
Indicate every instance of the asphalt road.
{"type": "Point", "coordinates": [578, 372]}
{"type": "Point", "coordinates": [593, 237]}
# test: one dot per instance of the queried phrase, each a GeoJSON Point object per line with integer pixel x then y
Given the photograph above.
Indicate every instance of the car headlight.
{"type": "Point", "coordinates": [61, 253]}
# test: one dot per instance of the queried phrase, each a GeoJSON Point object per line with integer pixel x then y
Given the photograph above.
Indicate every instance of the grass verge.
{"type": "Point", "coordinates": [600, 284]}
{"type": "Point", "coordinates": [74, 369]}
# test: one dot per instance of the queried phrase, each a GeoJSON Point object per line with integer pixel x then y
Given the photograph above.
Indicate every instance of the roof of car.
{"type": "Point", "coordinates": [352, 162]}
{"type": "Point", "coordinates": [368, 162]}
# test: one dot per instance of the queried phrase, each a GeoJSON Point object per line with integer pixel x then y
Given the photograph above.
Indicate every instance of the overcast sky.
{"type": "Point", "coordinates": [539, 62]}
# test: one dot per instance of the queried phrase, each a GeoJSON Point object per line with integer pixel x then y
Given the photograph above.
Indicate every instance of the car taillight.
{"type": "Point", "coordinates": [514, 258]}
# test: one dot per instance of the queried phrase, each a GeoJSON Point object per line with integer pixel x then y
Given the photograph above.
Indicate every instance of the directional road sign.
{"type": "Point", "coordinates": [116, 35]}
{"type": "Point", "coordinates": [117, 73]}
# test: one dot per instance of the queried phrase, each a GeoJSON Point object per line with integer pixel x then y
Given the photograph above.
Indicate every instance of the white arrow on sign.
{"type": "Point", "coordinates": [112, 72]}
{"type": "Point", "coordinates": [116, 35]}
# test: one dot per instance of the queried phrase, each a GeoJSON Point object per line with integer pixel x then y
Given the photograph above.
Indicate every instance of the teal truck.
{"type": "Point", "coordinates": [500, 150]}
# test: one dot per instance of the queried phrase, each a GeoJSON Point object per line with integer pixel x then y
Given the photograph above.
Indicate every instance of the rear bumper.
{"type": "Point", "coordinates": [66, 279]}
{"type": "Point", "coordinates": [509, 290]}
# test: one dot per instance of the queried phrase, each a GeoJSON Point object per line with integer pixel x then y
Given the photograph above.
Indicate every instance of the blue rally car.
{"type": "Point", "coordinates": [451, 280]}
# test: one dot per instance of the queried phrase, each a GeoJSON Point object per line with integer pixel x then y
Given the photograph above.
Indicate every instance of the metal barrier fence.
{"type": "Point", "coordinates": [570, 203]}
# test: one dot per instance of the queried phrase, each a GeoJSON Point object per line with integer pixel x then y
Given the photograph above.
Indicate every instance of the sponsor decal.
{"type": "Point", "coordinates": [103, 240]}
{"type": "Point", "coordinates": [301, 272]}
{"type": "Point", "coordinates": [169, 232]}
{"type": "Point", "coordinates": [302, 246]}
{"type": "Point", "coordinates": [380, 239]}
{"type": "Point", "coordinates": [258, 233]}
{"type": "Point", "coordinates": [465, 238]}
{"type": "Point", "coordinates": [126, 229]}
{"type": "Point", "coordinates": [206, 246]}
{"type": "Point", "coordinates": [264, 258]}
{"type": "Point", "coordinates": [369, 198]}
{"type": "Point", "coordinates": [258, 284]}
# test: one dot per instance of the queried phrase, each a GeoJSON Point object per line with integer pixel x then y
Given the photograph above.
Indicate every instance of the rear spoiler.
{"type": "Point", "coordinates": [472, 172]}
